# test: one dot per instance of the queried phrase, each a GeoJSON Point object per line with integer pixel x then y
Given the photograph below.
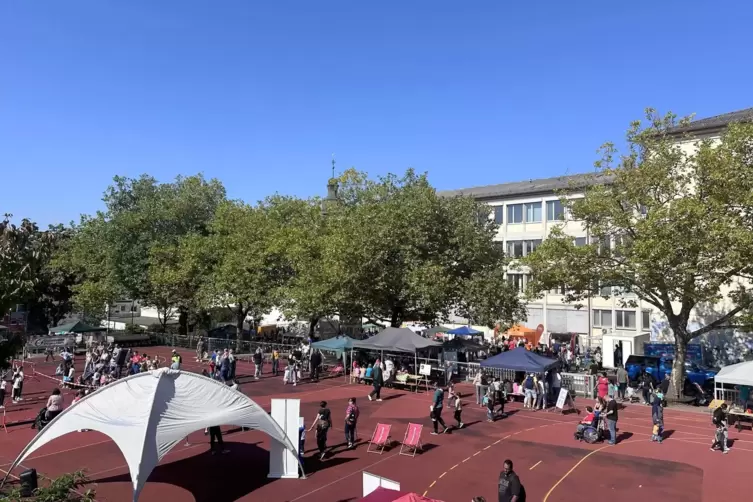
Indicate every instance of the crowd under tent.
{"type": "Point", "coordinates": [149, 413]}
{"type": "Point", "coordinates": [520, 359]}
{"type": "Point", "coordinates": [397, 340]}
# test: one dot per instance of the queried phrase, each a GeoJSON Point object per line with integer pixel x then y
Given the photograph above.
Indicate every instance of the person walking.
{"type": "Point", "coordinates": [720, 421]}
{"type": "Point", "coordinates": [622, 382]}
{"type": "Point", "coordinates": [215, 435]}
{"type": "Point", "coordinates": [3, 383]}
{"type": "Point", "coordinates": [657, 418]}
{"type": "Point", "coordinates": [436, 410]}
{"type": "Point", "coordinates": [316, 363]}
{"type": "Point", "coordinates": [322, 423]}
{"type": "Point", "coordinates": [458, 407]}
{"type": "Point", "coordinates": [611, 417]}
{"type": "Point", "coordinates": [377, 381]}
{"type": "Point", "coordinates": [510, 489]}
{"type": "Point", "coordinates": [258, 361]}
{"type": "Point", "coordinates": [275, 361]}
{"type": "Point", "coordinates": [351, 421]}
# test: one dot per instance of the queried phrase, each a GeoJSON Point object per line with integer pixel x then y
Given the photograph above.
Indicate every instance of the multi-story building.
{"type": "Point", "coordinates": [526, 211]}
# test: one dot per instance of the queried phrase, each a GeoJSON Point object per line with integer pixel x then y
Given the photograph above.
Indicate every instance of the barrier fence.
{"type": "Point", "coordinates": [581, 384]}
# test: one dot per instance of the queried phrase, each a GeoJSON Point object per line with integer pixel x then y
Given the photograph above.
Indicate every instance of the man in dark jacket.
{"type": "Point", "coordinates": [510, 488]}
{"type": "Point", "coordinates": [316, 362]}
{"type": "Point", "coordinates": [377, 381]}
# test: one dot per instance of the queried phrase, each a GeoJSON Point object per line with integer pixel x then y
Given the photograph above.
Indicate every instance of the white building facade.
{"type": "Point", "coordinates": [527, 211]}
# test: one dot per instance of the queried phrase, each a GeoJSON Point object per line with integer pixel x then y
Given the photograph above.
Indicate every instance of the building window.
{"type": "Point", "coordinates": [515, 249]}
{"type": "Point", "coordinates": [555, 211]}
{"type": "Point", "coordinates": [646, 319]}
{"type": "Point", "coordinates": [519, 249]}
{"type": "Point", "coordinates": [625, 319]}
{"type": "Point", "coordinates": [499, 213]}
{"type": "Point", "coordinates": [558, 290]}
{"type": "Point", "coordinates": [516, 281]}
{"type": "Point", "coordinates": [122, 308]}
{"type": "Point", "coordinates": [515, 213]}
{"type": "Point", "coordinates": [533, 212]}
{"type": "Point", "coordinates": [531, 245]}
{"type": "Point", "coordinates": [603, 319]}
{"type": "Point", "coordinates": [580, 241]}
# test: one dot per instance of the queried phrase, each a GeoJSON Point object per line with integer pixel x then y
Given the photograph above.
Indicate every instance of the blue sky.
{"type": "Point", "coordinates": [261, 94]}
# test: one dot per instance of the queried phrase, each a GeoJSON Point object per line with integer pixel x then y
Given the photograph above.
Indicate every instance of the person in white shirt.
{"type": "Point", "coordinates": [3, 383]}
{"type": "Point", "coordinates": [18, 384]}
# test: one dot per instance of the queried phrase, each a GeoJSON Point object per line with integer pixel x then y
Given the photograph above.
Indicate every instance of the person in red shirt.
{"type": "Point", "coordinates": [602, 386]}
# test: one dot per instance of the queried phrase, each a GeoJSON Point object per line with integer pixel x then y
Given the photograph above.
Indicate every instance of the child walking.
{"type": "Point", "coordinates": [458, 410]}
{"type": "Point", "coordinates": [657, 416]}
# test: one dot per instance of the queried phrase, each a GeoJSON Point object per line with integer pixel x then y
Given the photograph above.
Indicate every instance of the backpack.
{"type": "Point", "coordinates": [528, 383]}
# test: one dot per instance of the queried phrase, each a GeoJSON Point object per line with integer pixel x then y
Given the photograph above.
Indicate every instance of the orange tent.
{"type": "Point", "coordinates": [529, 334]}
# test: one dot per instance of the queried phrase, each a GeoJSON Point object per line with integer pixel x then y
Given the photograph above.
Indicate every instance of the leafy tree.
{"type": "Point", "coordinates": [140, 238]}
{"type": "Point", "coordinates": [24, 251]}
{"type": "Point", "coordinates": [671, 225]}
{"type": "Point", "coordinates": [300, 234]}
{"type": "Point", "coordinates": [245, 269]}
{"type": "Point", "coordinates": [402, 252]}
{"type": "Point", "coordinates": [52, 298]}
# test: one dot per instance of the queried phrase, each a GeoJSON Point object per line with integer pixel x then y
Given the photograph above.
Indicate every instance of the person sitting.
{"type": "Point", "coordinates": [54, 404]}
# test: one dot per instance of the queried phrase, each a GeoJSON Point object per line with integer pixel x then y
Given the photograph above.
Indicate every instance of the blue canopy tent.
{"type": "Point", "coordinates": [464, 331]}
{"type": "Point", "coordinates": [340, 345]}
{"type": "Point", "coordinates": [520, 359]}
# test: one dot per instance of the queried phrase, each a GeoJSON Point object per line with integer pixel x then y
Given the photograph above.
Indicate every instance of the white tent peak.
{"type": "Point", "coordinates": [147, 414]}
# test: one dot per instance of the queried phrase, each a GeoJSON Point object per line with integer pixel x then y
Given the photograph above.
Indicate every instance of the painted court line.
{"type": "Point", "coordinates": [546, 497]}
{"type": "Point", "coordinates": [535, 465]}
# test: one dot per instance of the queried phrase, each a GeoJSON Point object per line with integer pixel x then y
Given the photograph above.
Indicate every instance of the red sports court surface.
{"type": "Point", "coordinates": [454, 467]}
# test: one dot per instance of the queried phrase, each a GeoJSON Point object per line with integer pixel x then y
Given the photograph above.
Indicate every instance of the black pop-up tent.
{"type": "Point", "coordinates": [397, 340]}
{"type": "Point", "coordinates": [520, 359]}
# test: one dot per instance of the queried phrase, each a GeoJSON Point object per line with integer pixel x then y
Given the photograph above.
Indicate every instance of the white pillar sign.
{"type": "Point", "coordinates": [282, 462]}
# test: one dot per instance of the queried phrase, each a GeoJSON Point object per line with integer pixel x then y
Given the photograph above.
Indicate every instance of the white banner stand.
{"type": "Point", "coordinates": [282, 462]}
{"type": "Point", "coordinates": [371, 482]}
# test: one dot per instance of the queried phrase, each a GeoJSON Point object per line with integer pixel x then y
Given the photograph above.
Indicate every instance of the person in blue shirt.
{"type": "Point", "coordinates": [369, 371]}
{"type": "Point", "coordinates": [436, 409]}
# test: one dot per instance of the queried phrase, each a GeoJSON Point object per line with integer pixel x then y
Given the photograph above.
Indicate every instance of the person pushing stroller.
{"type": "Point", "coordinates": [720, 420]}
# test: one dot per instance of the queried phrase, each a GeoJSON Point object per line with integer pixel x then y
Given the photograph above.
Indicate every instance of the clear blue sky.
{"type": "Point", "coordinates": [260, 94]}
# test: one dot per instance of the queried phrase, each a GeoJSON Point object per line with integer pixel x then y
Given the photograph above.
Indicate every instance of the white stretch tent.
{"type": "Point", "coordinates": [147, 414]}
{"type": "Point", "coordinates": [736, 374]}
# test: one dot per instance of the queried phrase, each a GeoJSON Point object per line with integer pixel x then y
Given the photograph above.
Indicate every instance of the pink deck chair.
{"type": "Point", "coordinates": [412, 440]}
{"type": "Point", "coordinates": [380, 439]}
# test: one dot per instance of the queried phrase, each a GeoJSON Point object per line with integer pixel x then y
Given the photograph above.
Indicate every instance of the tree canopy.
{"type": "Point", "coordinates": [670, 222]}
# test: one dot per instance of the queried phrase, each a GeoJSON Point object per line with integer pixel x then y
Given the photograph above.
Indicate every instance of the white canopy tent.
{"type": "Point", "coordinates": [736, 374]}
{"type": "Point", "coordinates": [147, 414]}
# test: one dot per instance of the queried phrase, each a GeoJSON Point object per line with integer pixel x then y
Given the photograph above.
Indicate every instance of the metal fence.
{"type": "Point", "coordinates": [581, 384]}
{"type": "Point", "coordinates": [241, 347]}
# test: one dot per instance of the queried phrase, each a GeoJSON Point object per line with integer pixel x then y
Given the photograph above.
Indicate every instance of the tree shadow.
{"type": "Point", "coordinates": [231, 471]}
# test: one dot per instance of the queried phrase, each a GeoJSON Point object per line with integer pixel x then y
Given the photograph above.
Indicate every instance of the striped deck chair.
{"type": "Point", "coordinates": [380, 439]}
{"type": "Point", "coordinates": [412, 440]}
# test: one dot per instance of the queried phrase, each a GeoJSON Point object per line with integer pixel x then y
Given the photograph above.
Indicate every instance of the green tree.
{"type": "Point", "coordinates": [300, 234]}
{"type": "Point", "coordinates": [140, 243]}
{"type": "Point", "coordinates": [672, 226]}
{"type": "Point", "coordinates": [401, 252]}
{"type": "Point", "coordinates": [245, 269]}
{"type": "Point", "coordinates": [24, 252]}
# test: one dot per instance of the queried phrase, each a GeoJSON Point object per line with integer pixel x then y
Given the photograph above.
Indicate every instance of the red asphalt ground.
{"type": "Point", "coordinates": [454, 467]}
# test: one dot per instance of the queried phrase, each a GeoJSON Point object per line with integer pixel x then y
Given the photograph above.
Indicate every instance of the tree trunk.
{"type": "Point", "coordinates": [240, 318]}
{"type": "Point", "coordinates": [183, 322]}
{"type": "Point", "coordinates": [678, 365]}
{"type": "Point", "coordinates": [396, 318]}
{"type": "Point", "coordinates": [313, 321]}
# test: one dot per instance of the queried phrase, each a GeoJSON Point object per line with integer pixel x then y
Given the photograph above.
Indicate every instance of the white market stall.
{"type": "Point", "coordinates": [734, 385]}
{"type": "Point", "coordinates": [148, 414]}
{"type": "Point", "coordinates": [630, 341]}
